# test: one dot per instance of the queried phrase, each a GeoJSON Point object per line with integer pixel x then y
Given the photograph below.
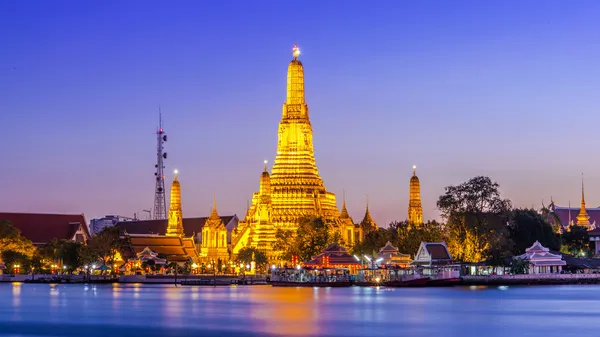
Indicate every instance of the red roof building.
{"type": "Point", "coordinates": [43, 228]}
{"type": "Point", "coordinates": [334, 256]}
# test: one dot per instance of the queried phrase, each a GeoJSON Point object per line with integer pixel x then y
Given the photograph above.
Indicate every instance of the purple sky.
{"type": "Point", "coordinates": [459, 88]}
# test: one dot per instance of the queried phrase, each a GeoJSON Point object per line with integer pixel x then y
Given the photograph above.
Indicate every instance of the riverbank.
{"type": "Point", "coordinates": [530, 279]}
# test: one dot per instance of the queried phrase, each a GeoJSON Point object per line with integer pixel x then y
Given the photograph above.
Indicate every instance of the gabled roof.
{"type": "Point", "coordinates": [388, 248]}
{"type": "Point", "coordinates": [432, 253]}
{"type": "Point", "coordinates": [190, 225]}
{"type": "Point", "coordinates": [42, 228]}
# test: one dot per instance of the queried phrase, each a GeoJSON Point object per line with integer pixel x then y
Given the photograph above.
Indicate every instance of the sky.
{"type": "Point", "coordinates": [506, 89]}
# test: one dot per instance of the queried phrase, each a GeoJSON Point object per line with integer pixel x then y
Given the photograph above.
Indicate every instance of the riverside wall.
{"type": "Point", "coordinates": [531, 279]}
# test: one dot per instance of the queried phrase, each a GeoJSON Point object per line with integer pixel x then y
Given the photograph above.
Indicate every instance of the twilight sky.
{"type": "Point", "coordinates": [507, 89]}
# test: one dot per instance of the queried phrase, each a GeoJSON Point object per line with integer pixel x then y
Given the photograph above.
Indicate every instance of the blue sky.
{"type": "Point", "coordinates": [506, 89]}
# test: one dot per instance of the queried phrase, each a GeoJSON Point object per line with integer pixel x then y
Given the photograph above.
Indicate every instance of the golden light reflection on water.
{"type": "Point", "coordinates": [288, 312]}
{"type": "Point", "coordinates": [16, 292]}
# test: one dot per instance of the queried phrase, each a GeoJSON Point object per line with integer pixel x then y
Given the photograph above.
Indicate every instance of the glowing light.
{"type": "Point", "coordinates": [273, 267]}
{"type": "Point", "coordinates": [377, 279]}
{"type": "Point", "coordinates": [176, 171]}
{"type": "Point", "coordinates": [266, 161]}
{"type": "Point", "coordinates": [414, 167]}
{"type": "Point", "coordinates": [296, 51]}
{"type": "Point", "coordinates": [298, 267]}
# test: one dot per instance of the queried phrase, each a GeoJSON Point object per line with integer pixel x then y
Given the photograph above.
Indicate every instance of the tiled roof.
{"type": "Point", "coordinates": [437, 251]}
{"type": "Point", "coordinates": [174, 248]}
{"type": "Point", "coordinates": [190, 225]}
{"type": "Point", "coordinates": [42, 228]}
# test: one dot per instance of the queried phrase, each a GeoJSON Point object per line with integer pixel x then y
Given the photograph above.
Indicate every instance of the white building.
{"type": "Point", "coordinates": [541, 261]}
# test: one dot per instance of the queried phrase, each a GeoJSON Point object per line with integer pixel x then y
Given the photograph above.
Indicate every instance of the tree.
{"type": "Point", "coordinates": [376, 239]}
{"type": "Point", "coordinates": [68, 252]}
{"type": "Point", "coordinates": [11, 239]}
{"type": "Point", "coordinates": [249, 254]}
{"type": "Point", "coordinates": [476, 220]}
{"type": "Point", "coordinates": [107, 244]}
{"type": "Point", "coordinates": [410, 237]}
{"type": "Point", "coordinates": [526, 226]}
{"type": "Point", "coordinates": [576, 241]}
{"type": "Point", "coordinates": [14, 259]}
{"type": "Point", "coordinates": [312, 236]}
{"type": "Point", "coordinates": [519, 266]}
{"type": "Point", "coordinates": [285, 240]}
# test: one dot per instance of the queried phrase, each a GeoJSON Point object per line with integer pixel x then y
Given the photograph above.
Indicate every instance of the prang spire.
{"type": "Point", "coordinates": [175, 222]}
{"type": "Point", "coordinates": [583, 219]}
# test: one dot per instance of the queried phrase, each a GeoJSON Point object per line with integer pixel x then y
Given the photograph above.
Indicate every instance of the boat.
{"type": "Point", "coordinates": [310, 277]}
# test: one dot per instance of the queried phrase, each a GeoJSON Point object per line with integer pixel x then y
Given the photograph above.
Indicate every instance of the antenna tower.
{"type": "Point", "coordinates": [160, 206]}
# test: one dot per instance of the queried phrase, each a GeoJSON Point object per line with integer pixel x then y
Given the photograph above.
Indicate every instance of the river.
{"type": "Point", "coordinates": [166, 310]}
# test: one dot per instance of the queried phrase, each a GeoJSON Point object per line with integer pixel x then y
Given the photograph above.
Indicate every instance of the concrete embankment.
{"type": "Point", "coordinates": [533, 279]}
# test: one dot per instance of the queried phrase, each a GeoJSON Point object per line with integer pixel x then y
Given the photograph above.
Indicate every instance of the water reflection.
{"type": "Point", "coordinates": [153, 310]}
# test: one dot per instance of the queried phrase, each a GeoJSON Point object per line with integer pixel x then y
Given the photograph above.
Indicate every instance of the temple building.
{"type": "Point", "coordinates": [257, 230]}
{"type": "Point", "coordinates": [296, 189]}
{"type": "Point", "coordinates": [390, 256]}
{"type": "Point", "coordinates": [415, 209]}
{"type": "Point", "coordinates": [159, 237]}
{"type": "Point", "coordinates": [334, 256]}
{"type": "Point", "coordinates": [367, 224]}
{"type": "Point", "coordinates": [43, 228]}
{"type": "Point", "coordinates": [350, 232]}
{"type": "Point", "coordinates": [541, 261]}
{"type": "Point", "coordinates": [562, 218]}
{"type": "Point", "coordinates": [214, 245]}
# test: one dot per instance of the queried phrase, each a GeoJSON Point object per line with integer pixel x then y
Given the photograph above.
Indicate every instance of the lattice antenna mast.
{"type": "Point", "coordinates": [160, 205]}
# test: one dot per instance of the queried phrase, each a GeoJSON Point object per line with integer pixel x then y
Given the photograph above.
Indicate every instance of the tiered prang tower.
{"type": "Point", "coordinates": [415, 209]}
{"type": "Point", "coordinates": [295, 188]}
{"type": "Point", "coordinates": [175, 223]}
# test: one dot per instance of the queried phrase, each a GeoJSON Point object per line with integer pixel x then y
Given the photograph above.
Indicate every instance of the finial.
{"type": "Point", "coordinates": [296, 51]}
{"type": "Point", "coordinates": [344, 193]}
{"type": "Point", "coordinates": [266, 161]}
{"type": "Point", "coordinates": [414, 170]}
{"type": "Point", "coordinates": [176, 173]}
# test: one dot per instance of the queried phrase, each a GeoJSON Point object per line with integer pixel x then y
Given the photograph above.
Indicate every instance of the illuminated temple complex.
{"type": "Point", "coordinates": [415, 209]}
{"type": "Point", "coordinates": [294, 188]}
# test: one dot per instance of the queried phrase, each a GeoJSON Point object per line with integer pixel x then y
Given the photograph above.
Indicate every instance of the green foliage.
{"type": "Point", "coordinates": [519, 266]}
{"type": "Point", "coordinates": [68, 252]}
{"type": "Point", "coordinates": [13, 258]}
{"type": "Point", "coordinates": [376, 239]}
{"type": "Point", "coordinates": [476, 221]}
{"type": "Point", "coordinates": [11, 239]}
{"type": "Point", "coordinates": [249, 254]}
{"type": "Point", "coordinates": [311, 238]}
{"type": "Point", "coordinates": [526, 226]}
{"type": "Point", "coordinates": [576, 241]}
{"type": "Point", "coordinates": [106, 244]}
{"type": "Point", "coordinates": [410, 236]}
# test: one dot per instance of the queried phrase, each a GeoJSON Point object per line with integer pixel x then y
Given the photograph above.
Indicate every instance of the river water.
{"type": "Point", "coordinates": [166, 310]}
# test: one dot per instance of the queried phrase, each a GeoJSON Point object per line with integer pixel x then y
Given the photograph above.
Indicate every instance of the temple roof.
{"type": "Point", "coordinates": [190, 225]}
{"type": "Point", "coordinates": [388, 248]}
{"type": "Point", "coordinates": [562, 213]}
{"type": "Point", "coordinates": [175, 248]}
{"type": "Point", "coordinates": [42, 228]}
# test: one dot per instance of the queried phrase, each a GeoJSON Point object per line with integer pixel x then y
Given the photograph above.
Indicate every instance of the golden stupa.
{"type": "Point", "coordinates": [415, 209]}
{"type": "Point", "coordinates": [295, 188]}
{"type": "Point", "coordinates": [583, 219]}
{"type": "Point", "coordinates": [175, 222]}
